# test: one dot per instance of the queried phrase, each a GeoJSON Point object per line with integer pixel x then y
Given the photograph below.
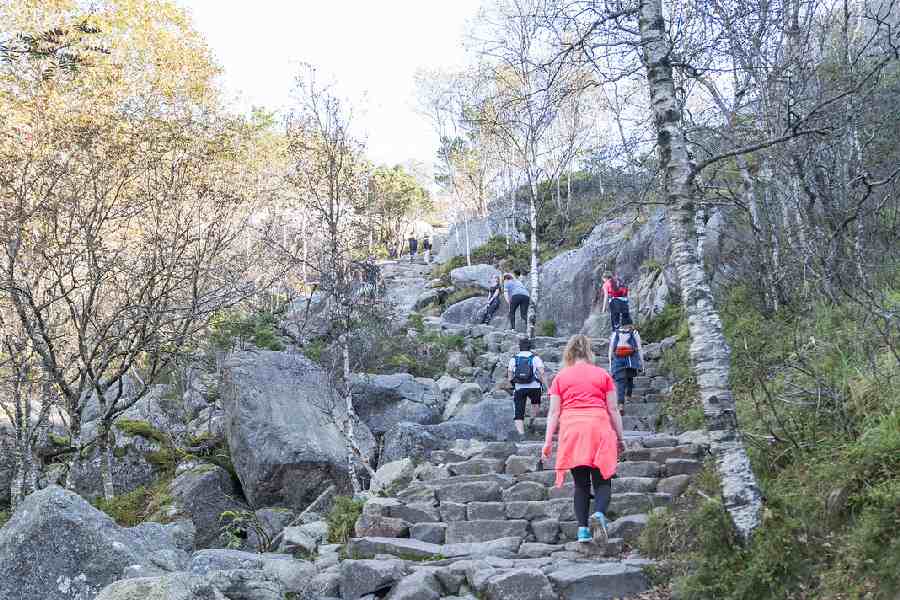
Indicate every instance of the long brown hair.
{"type": "Point", "coordinates": [578, 348]}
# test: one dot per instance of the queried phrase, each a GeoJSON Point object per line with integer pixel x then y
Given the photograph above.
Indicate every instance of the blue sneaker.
{"type": "Point", "coordinates": [584, 534]}
{"type": "Point", "coordinates": [599, 528]}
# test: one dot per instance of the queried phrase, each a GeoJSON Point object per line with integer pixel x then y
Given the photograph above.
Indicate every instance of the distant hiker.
{"type": "Point", "coordinates": [493, 301]}
{"type": "Point", "coordinates": [371, 273]}
{"type": "Point", "coordinates": [426, 246]}
{"type": "Point", "coordinates": [526, 372]}
{"type": "Point", "coordinates": [413, 247]}
{"type": "Point", "coordinates": [626, 358]}
{"type": "Point", "coordinates": [583, 405]}
{"type": "Point", "coordinates": [516, 296]}
{"type": "Point", "coordinates": [615, 298]}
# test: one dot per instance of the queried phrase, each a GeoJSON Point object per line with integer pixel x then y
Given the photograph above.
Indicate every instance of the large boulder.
{"type": "Point", "coordinates": [56, 546]}
{"type": "Point", "coordinates": [637, 252]}
{"type": "Point", "coordinates": [464, 396]}
{"type": "Point", "coordinates": [385, 400]}
{"type": "Point", "coordinates": [475, 276]}
{"type": "Point", "coordinates": [306, 318]}
{"type": "Point", "coordinates": [488, 420]}
{"type": "Point", "coordinates": [467, 311]}
{"type": "Point", "coordinates": [216, 585]}
{"type": "Point", "coordinates": [283, 429]}
{"type": "Point", "coordinates": [202, 494]}
{"type": "Point", "coordinates": [478, 232]}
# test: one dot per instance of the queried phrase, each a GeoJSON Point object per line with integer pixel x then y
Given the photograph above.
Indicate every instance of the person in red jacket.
{"type": "Point", "coordinates": [615, 299]}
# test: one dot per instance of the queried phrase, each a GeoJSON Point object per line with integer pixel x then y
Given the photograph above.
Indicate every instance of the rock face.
{"type": "Point", "coordinates": [59, 547]}
{"type": "Point", "coordinates": [202, 494]}
{"type": "Point", "coordinates": [476, 276]}
{"type": "Point", "coordinates": [384, 400]}
{"type": "Point", "coordinates": [284, 442]}
{"type": "Point", "coordinates": [638, 253]}
{"type": "Point", "coordinates": [479, 232]}
{"type": "Point", "coordinates": [465, 312]}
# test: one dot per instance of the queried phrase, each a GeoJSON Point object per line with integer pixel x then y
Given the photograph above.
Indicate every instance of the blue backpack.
{"type": "Point", "coordinates": [524, 371]}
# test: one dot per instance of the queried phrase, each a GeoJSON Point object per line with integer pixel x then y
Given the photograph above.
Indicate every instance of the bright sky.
{"type": "Point", "coordinates": [370, 48]}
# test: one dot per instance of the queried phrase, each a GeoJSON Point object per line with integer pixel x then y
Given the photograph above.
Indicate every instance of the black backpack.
{"type": "Point", "coordinates": [524, 371]}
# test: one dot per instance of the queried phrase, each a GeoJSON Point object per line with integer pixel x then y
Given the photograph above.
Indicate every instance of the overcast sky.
{"type": "Point", "coordinates": [371, 48]}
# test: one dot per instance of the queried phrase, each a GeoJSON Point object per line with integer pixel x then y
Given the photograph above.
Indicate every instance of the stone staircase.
{"type": "Point", "coordinates": [483, 520]}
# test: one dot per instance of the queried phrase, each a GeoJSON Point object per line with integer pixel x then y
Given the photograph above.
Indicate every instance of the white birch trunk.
{"type": "Point", "coordinates": [532, 225]}
{"type": "Point", "coordinates": [106, 462]}
{"type": "Point", "coordinates": [709, 350]}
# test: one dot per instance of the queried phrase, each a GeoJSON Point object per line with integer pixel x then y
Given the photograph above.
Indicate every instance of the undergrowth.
{"type": "Point", "coordinates": [342, 519]}
{"type": "Point", "coordinates": [818, 398]}
{"type": "Point", "coordinates": [140, 505]}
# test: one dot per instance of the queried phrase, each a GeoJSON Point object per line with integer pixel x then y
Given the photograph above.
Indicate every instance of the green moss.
{"type": "Point", "coordinates": [140, 505]}
{"type": "Point", "coordinates": [669, 322]}
{"type": "Point", "coordinates": [342, 519]}
{"type": "Point", "coordinates": [142, 429]}
{"type": "Point", "coordinates": [4, 517]}
{"type": "Point", "coordinates": [60, 441]}
{"type": "Point", "coordinates": [464, 294]}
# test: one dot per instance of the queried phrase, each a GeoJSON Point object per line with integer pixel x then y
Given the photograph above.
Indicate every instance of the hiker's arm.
{"type": "Point", "coordinates": [611, 338]}
{"type": "Point", "coordinates": [552, 422]}
{"type": "Point", "coordinates": [605, 301]}
{"type": "Point", "coordinates": [612, 407]}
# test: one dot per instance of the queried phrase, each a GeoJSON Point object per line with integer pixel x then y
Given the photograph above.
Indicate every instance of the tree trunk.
{"type": "Point", "coordinates": [532, 226]}
{"type": "Point", "coordinates": [106, 462]}
{"type": "Point", "coordinates": [468, 248]}
{"type": "Point", "coordinates": [349, 430]}
{"type": "Point", "coordinates": [709, 350]}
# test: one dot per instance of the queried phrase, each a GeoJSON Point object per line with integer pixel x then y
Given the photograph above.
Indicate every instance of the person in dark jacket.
{"type": "Point", "coordinates": [626, 358]}
{"type": "Point", "coordinates": [413, 247]}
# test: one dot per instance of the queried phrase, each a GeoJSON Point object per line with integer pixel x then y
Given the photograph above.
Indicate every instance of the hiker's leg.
{"type": "Point", "coordinates": [629, 387]}
{"type": "Point", "coordinates": [523, 310]}
{"type": "Point", "coordinates": [582, 496]}
{"type": "Point", "coordinates": [602, 491]}
{"type": "Point", "coordinates": [519, 418]}
{"type": "Point", "coordinates": [513, 303]}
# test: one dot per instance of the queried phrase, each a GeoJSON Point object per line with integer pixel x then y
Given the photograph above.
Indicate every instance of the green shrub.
{"type": "Point", "coordinates": [546, 328]}
{"type": "Point", "coordinates": [669, 322]}
{"type": "Point", "coordinates": [233, 329]}
{"type": "Point", "coordinates": [5, 515]}
{"type": "Point", "coordinates": [463, 294]}
{"type": "Point", "coordinates": [342, 519]}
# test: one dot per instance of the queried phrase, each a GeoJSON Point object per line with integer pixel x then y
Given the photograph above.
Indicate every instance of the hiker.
{"type": "Point", "coordinates": [371, 271]}
{"type": "Point", "coordinates": [413, 247]}
{"type": "Point", "coordinates": [583, 405]}
{"type": "Point", "coordinates": [517, 297]}
{"type": "Point", "coordinates": [626, 358]}
{"type": "Point", "coordinates": [426, 247]}
{"type": "Point", "coordinates": [615, 298]}
{"type": "Point", "coordinates": [526, 372]}
{"type": "Point", "coordinates": [493, 301]}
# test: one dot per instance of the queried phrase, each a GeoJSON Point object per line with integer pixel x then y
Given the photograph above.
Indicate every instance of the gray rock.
{"type": "Point", "coordinates": [272, 521]}
{"type": "Point", "coordinates": [246, 585]}
{"type": "Point", "coordinates": [682, 466]}
{"type": "Point", "coordinates": [628, 528]}
{"type": "Point", "coordinates": [381, 526]}
{"type": "Point", "coordinates": [467, 312]}
{"type": "Point", "coordinates": [470, 491]}
{"type": "Point", "coordinates": [464, 396]}
{"type": "Point", "coordinates": [421, 585]}
{"type": "Point", "coordinates": [417, 512]}
{"type": "Point", "coordinates": [452, 511]}
{"type": "Point", "coordinates": [537, 549]}
{"type": "Point", "coordinates": [477, 466]}
{"type": "Point", "coordinates": [202, 495]}
{"type": "Point", "coordinates": [303, 540]}
{"type": "Point", "coordinates": [525, 491]}
{"type": "Point", "coordinates": [546, 530]}
{"type": "Point", "coordinates": [369, 547]}
{"type": "Point", "coordinates": [520, 584]}
{"type": "Point", "coordinates": [59, 547]}
{"type": "Point", "coordinates": [392, 475]}
{"type": "Point", "coordinates": [517, 465]}
{"type": "Point", "coordinates": [622, 505]}
{"type": "Point", "coordinates": [361, 577]}
{"type": "Point", "coordinates": [207, 561]}
{"type": "Point", "coordinates": [476, 276]}
{"type": "Point", "coordinates": [598, 581]}
{"type": "Point", "coordinates": [447, 384]}
{"type": "Point", "coordinates": [492, 511]}
{"type": "Point", "coordinates": [294, 575]}
{"type": "Point", "coordinates": [674, 486]}
{"type": "Point", "coordinates": [266, 395]}
{"type": "Point", "coordinates": [634, 484]}
{"type": "Point", "coordinates": [385, 400]}
{"type": "Point", "coordinates": [484, 531]}
{"type": "Point", "coordinates": [638, 469]}
{"type": "Point", "coordinates": [504, 547]}
{"type": "Point", "coordinates": [434, 533]}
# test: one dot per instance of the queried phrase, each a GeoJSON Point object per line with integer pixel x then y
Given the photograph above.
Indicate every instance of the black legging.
{"type": "Point", "coordinates": [618, 313]}
{"type": "Point", "coordinates": [522, 301]}
{"type": "Point", "coordinates": [583, 477]}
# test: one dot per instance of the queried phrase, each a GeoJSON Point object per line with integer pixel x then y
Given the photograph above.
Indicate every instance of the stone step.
{"type": "Point", "coordinates": [598, 581]}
